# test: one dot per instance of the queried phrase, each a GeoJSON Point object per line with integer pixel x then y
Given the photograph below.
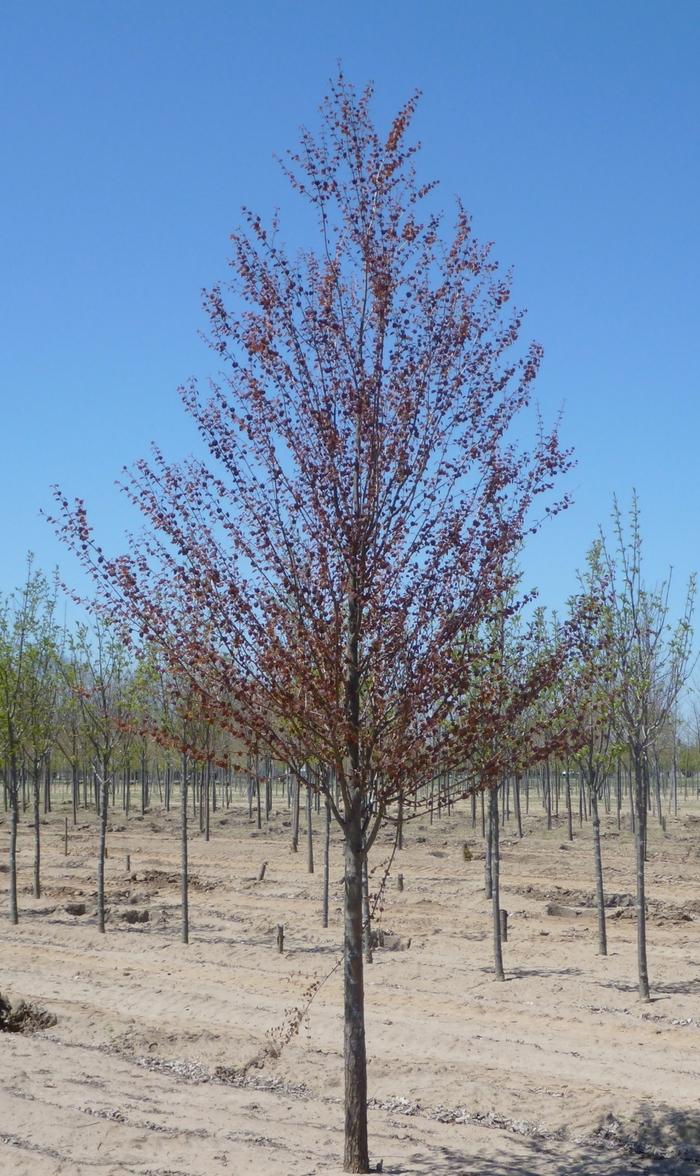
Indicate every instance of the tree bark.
{"type": "Point", "coordinates": [207, 801]}
{"type": "Point", "coordinates": [309, 832]}
{"type": "Point", "coordinates": [516, 805]}
{"type": "Point", "coordinates": [356, 1156]}
{"type": "Point", "coordinates": [184, 891]}
{"type": "Point", "coordinates": [14, 821]}
{"type": "Point", "coordinates": [326, 863]}
{"type": "Point", "coordinates": [104, 806]}
{"type": "Point", "coordinates": [75, 792]}
{"type": "Point", "coordinates": [598, 864]}
{"type": "Point", "coordinates": [36, 785]}
{"type": "Point", "coordinates": [369, 958]}
{"type": "Point", "coordinates": [488, 878]}
{"type": "Point", "coordinates": [295, 816]}
{"type": "Point", "coordinates": [639, 846]}
{"type": "Point", "coordinates": [495, 895]}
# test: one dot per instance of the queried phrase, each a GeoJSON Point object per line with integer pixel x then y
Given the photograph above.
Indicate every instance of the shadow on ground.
{"type": "Point", "coordinates": [660, 1141]}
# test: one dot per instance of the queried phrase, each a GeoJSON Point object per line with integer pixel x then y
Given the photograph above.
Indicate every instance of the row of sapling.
{"type": "Point", "coordinates": [98, 673]}
{"type": "Point", "coordinates": [28, 643]}
{"type": "Point", "coordinates": [43, 721]}
{"type": "Point", "coordinates": [326, 585]}
{"type": "Point", "coordinates": [625, 694]}
{"type": "Point", "coordinates": [649, 662]}
{"type": "Point", "coordinates": [617, 693]}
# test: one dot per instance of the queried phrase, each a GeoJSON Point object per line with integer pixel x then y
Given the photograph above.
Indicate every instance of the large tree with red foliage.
{"type": "Point", "coordinates": [328, 583]}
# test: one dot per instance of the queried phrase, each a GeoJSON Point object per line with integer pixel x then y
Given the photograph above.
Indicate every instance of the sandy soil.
{"type": "Point", "coordinates": [165, 1059]}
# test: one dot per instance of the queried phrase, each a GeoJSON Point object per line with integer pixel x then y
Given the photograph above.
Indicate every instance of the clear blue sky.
{"type": "Point", "coordinates": [131, 133]}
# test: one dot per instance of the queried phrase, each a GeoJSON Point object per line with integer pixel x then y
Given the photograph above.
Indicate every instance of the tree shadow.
{"type": "Point", "coordinates": [677, 987]}
{"type": "Point", "coordinates": [524, 973]}
{"type": "Point", "coordinates": [690, 987]}
{"type": "Point", "coordinates": [662, 1142]}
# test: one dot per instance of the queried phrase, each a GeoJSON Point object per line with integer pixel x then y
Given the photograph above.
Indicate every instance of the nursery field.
{"type": "Point", "coordinates": [174, 1060]}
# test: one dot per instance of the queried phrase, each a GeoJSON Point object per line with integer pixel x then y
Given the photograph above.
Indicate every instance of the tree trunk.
{"type": "Point", "coordinates": [495, 895]}
{"type": "Point", "coordinates": [14, 820]}
{"type": "Point", "coordinates": [295, 816]}
{"type": "Point", "coordinates": [598, 864]}
{"type": "Point", "coordinates": [356, 1157]}
{"type": "Point", "coordinates": [207, 801]}
{"type": "Point", "coordinates": [309, 832]}
{"type": "Point", "coordinates": [326, 862]}
{"type": "Point", "coordinates": [75, 794]}
{"type": "Point", "coordinates": [516, 805]}
{"type": "Point", "coordinates": [488, 878]}
{"type": "Point", "coordinates": [144, 785]}
{"type": "Point", "coordinates": [369, 958]}
{"type": "Point", "coordinates": [104, 806]}
{"type": "Point", "coordinates": [639, 846]}
{"type": "Point", "coordinates": [184, 892]}
{"type": "Point", "coordinates": [36, 785]}
{"type": "Point", "coordinates": [657, 777]}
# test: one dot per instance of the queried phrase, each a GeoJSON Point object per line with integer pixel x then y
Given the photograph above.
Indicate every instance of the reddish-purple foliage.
{"type": "Point", "coordinates": [330, 586]}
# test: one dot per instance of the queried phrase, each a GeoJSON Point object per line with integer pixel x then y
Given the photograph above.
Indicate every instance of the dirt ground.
{"type": "Point", "coordinates": [168, 1060]}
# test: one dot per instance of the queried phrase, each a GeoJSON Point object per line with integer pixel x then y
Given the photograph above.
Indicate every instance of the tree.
{"type": "Point", "coordinates": [325, 588]}
{"type": "Point", "coordinates": [531, 684]}
{"type": "Point", "coordinates": [97, 670]}
{"type": "Point", "coordinates": [651, 657]}
{"type": "Point", "coordinates": [594, 686]}
{"type": "Point", "coordinates": [38, 687]}
{"type": "Point", "coordinates": [27, 651]}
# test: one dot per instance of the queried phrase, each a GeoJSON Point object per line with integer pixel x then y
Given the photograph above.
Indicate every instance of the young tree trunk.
{"type": "Point", "coordinates": [36, 786]}
{"type": "Point", "coordinates": [488, 878]}
{"type": "Point", "coordinates": [14, 821]}
{"type": "Point", "coordinates": [657, 776]}
{"type": "Point", "coordinates": [76, 792]}
{"type": "Point", "coordinates": [295, 816]}
{"type": "Point", "coordinates": [369, 958]}
{"type": "Point", "coordinates": [144, 784]}
{"type": "Point", "coordinates": [569, 814]}
{"type": "Point", "coordinates": [639, 846]}
{"type": "Point", "coordinates": [516, 805]}
{"type": "Point", "coordinates": [309, 831]}
{"type": "Point", "coordinates": [207, 801]}
{"type": "Point", "coordinates": [495, 894]}
{"type": "Point", "coordinates": [487, 856]}
{"type": "Point", "coordinates": [184, 890]}
{"type": "Point", "coordinates": [326, 863]}
{"type": "Point", "coordinates": [598, 864]}
{"type": "Point", "coordinates": [258, 810]}
{"type": "Point", "coordinates": [104, 806]}
{"type": "Point", "coordinates": [356, 1156]}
